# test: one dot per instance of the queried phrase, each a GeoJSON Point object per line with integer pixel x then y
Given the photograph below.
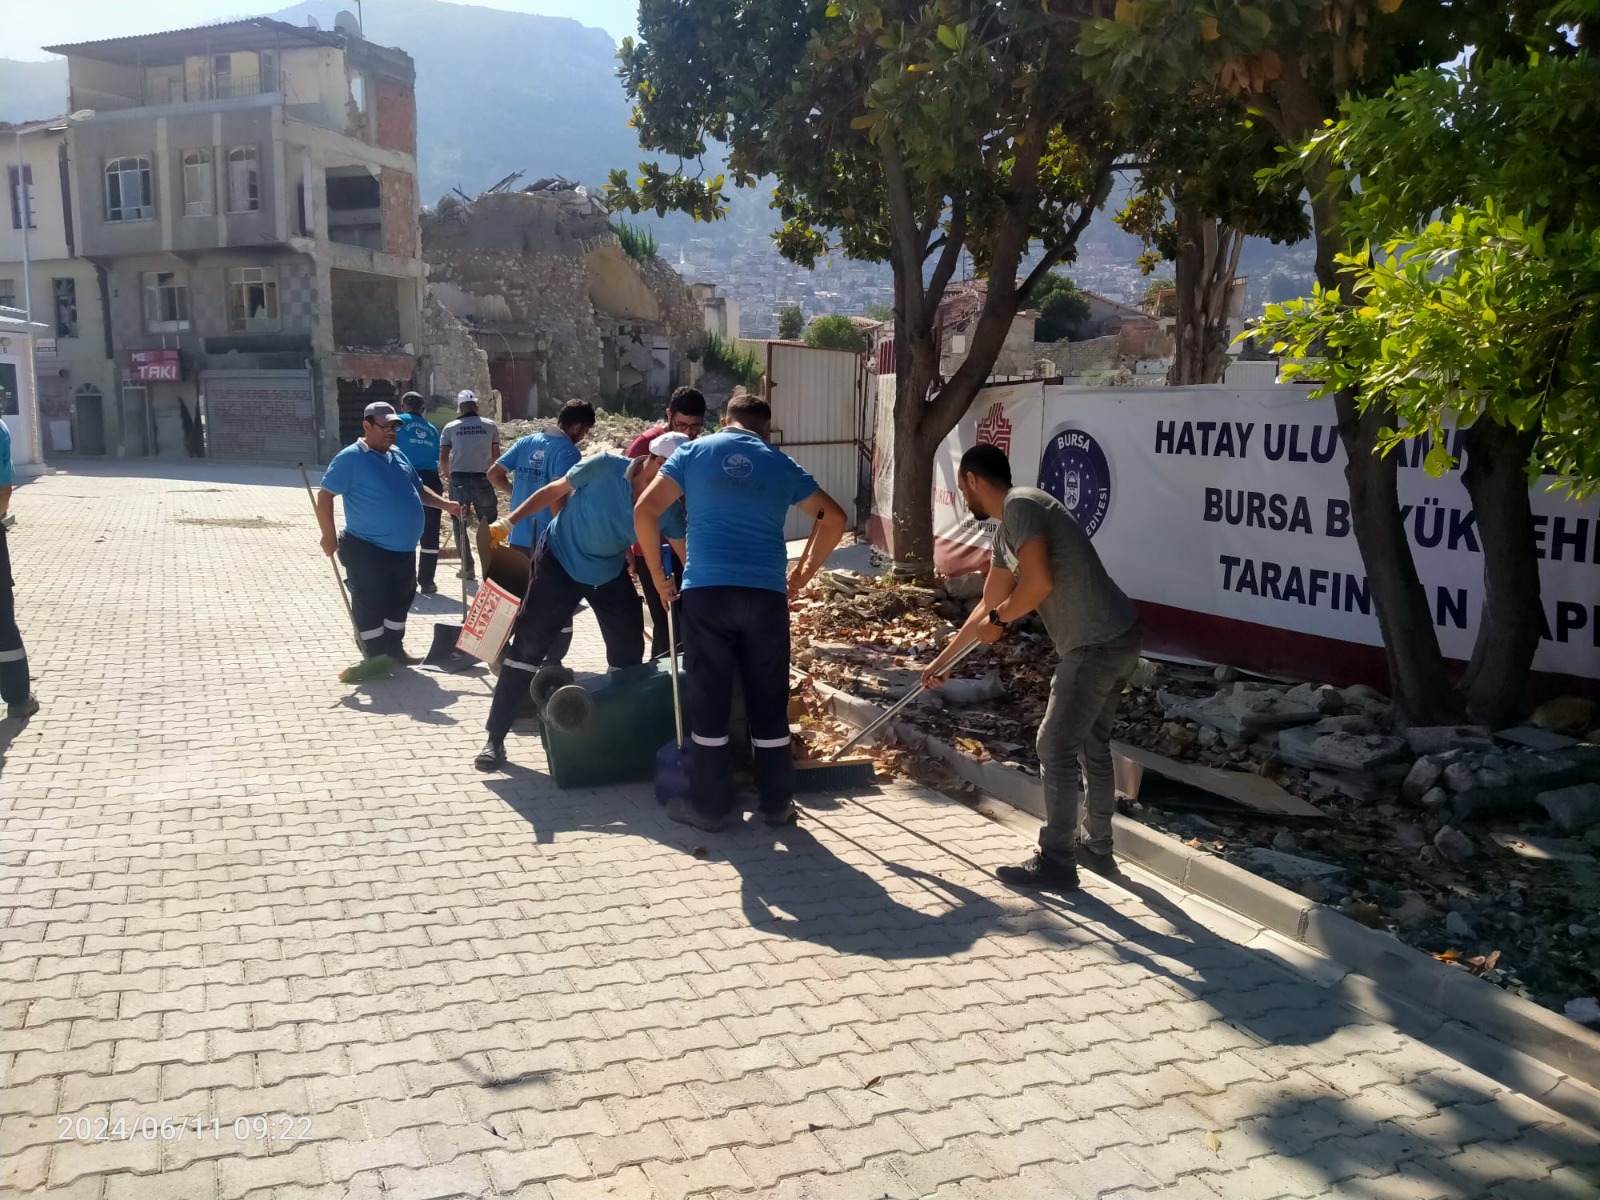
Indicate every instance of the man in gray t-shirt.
{"type": "Point", "coordinates": [466, 448]}
{"type": "Point", "coordinates": [1045, 562]}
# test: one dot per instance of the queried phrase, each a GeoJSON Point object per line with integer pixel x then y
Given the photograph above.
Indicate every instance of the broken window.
{"type": "Point", "coordinates": [8, 293]}
{"type": "Point", "coordinates": [66, 296]}
{"type": "Point", "coordinates": [244, 180]}
{"type": "Point", "coordinates": [128, 193]}
{"type": "Point", "coordinates": [252, 298]}
{"type": "Point", "coordinates": [199, 184]}
{"type": "Point", "coordinates": [354, 207]}
{"type": "Point", "coordinates": [22, 197]}
{"type": "Point", "coordinates": [166, 302]}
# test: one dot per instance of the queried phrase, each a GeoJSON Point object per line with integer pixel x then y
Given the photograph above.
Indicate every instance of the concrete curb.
{"type": "Point", "coordinates": [1542, 1054]}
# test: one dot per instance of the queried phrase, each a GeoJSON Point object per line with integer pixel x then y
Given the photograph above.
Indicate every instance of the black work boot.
{"type": "Point", "coordinates": [1040, 872]}
{"type": "Point", "coordinates": [1100, 862]}
{"type": "Point", "coordinates": [493, 755]}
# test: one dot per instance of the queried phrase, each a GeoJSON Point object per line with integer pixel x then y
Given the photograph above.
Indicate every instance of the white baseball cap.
{"type": "Point", "coordinates": [465, 397]}
{"type": "Point", "coordinates": [664, 444]}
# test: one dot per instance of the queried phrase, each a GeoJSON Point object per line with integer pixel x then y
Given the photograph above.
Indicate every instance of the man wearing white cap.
{"type": "Point", "coordinates": [466, 448]}
{"type": "Point", "coordinates": [582, 556]}
{"type": "Point", "coordinates": [383, 502]}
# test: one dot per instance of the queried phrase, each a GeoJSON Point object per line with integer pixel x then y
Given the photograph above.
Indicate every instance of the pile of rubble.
{"type": "Point", "coordinates": [1480, 847]}
{"type": "Point", "coordinates": [612, 431]}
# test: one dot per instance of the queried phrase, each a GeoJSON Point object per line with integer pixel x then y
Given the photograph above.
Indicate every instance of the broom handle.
{"type": "Point", "coordinates": [355, 630]}
{"type": "Point", "coordinates": [672, 647]}
{"type": "Point", "coordinates": [901, 703]}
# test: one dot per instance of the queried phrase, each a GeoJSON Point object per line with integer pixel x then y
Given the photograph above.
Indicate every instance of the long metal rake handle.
{"type": "Point", "coordinates": [901, 703]}
{"type": "Point", "coordinates": [672, 648]}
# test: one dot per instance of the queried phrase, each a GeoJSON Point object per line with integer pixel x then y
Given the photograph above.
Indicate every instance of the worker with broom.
{"type": "Point", "coordinates": [582, 556]}
{"type": "Point", "coordinates": [1044, 562]}
{"type": "Point", "coordinates": [418, 440]}
{"type": "Point", "coordinates": [383, 502]}
{"type": "Point", "coordinates": [738, 491]}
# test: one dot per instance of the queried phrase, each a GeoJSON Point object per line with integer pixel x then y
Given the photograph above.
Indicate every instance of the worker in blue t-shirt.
{"type": "Point", "coordinates": [383, 502]}
{"type": "Point", "coordinates": [15, 689]}
{"type": "Point", "coordinates": [538, 459]}
{"type": "Point", "coordinates": [418, 440]}
{"type": "Point", "coordinates": [532, 462]}
{"type": "Point", "coordinates": [582, 556]}
{"type": "Point", "coordinates": [735, 608]}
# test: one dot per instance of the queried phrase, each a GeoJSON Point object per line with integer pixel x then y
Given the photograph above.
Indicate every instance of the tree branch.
{"type": "Point", "coordinates": [902, 226]}
{"type": "Point", "coordinates": [953, 243]}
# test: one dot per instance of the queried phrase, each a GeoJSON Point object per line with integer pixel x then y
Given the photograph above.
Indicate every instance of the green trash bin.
{"type": "Point", "coordinates": [611, 735]}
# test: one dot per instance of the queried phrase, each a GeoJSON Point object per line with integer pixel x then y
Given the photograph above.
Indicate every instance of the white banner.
{"type": "Point", "coordinates": [1232, 504]}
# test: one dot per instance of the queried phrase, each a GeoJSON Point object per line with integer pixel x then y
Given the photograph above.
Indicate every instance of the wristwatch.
{"type": "Point", "coordinates": [994, 618]}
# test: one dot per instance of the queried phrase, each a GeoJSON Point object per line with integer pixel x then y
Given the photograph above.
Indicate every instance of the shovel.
{"type": "Point", "coordinates": [443, 653]}
{"type": "Point", "coordinates": [672, 768]}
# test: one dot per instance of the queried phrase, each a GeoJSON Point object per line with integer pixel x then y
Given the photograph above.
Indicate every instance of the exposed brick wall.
{"type": "Point", "coordinates": [254, 421]}
{"type": "Point", "coordinates": [397, 116]}
{"type": "Point", "coordinates": [397, 196]}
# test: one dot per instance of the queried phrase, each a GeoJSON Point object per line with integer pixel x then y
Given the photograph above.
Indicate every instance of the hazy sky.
{"type": "Point", "coordinates": [31, 26]}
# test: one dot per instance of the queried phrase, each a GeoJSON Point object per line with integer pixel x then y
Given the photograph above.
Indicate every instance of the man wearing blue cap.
{"type": "Point", "coordinates": [383, 503]}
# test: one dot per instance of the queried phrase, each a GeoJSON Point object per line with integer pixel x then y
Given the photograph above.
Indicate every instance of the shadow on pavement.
{"type": "Point", "coordinates": [408, 692]}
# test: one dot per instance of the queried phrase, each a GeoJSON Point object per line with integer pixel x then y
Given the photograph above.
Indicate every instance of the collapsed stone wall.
{"type": "Point", "coordinates": [681, 313]}
{"type": "Point", "coordinates": [457, 361]}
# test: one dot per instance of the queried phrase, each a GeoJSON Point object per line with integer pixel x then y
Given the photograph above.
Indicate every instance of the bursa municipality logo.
{"type": "Point", "coordinates": [1074, 470]}
{"type": "Point", "coordinates": [737, 466]}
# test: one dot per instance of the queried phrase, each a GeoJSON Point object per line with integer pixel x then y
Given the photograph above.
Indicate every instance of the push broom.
{"type": "Point", "coordinates": [378, 665]}
{"type": "Point", "coordinates": [837, 773]}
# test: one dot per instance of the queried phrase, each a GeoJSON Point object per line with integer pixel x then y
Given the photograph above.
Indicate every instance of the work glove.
{"type": "Point", "coordinates": [499, 532]}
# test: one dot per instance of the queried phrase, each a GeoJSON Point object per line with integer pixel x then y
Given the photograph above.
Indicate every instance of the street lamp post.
{"type": "Point", "coordinates": [26, 200]}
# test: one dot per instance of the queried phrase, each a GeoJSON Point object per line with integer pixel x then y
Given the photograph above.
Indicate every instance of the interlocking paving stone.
{"type": "Point", "coordinates": [232, 888]}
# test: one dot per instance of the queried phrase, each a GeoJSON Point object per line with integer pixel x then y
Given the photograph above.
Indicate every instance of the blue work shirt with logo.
{"type": "Point", "coordinates": [532, 462]}
{"type": "Point", "coordinates": [591, 535]}
{"type": "Point", "coordinates": [740, 491]}
{"type": "Point", "coordinates": [8, 473]}
{"type": "Point", "coordinates": [418, 440]}
{"type": "Point", "coordinates": [382, 496]}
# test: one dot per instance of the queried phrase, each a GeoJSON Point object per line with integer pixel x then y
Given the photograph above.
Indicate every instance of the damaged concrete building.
{"type": "Point", "coordinates": [560, 308]}
{"type": "Point", "coordinates": [247, 192]}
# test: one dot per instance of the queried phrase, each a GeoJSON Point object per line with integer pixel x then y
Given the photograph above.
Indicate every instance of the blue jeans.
{"type": "Point", "coordinates": [743, 632]}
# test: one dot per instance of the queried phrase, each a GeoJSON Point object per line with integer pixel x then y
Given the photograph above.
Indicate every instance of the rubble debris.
{"type": "Point", "coordinates": [1571, 715]}
{"type": "Point", "coordinates": [1573, 809]}
{"type": "Point", "coordinates": [1436, 739]}
{"type": "Point", "coordinates": [1453, 844]}
{"type": "Point", "coordinates": [1399, 856]}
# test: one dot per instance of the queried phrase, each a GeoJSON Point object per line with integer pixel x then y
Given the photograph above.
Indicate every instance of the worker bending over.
{"type": "Point", "coordinates": [738, 490]}
{"type": "Point", "coordinates": [583, 556]}
{"type": "Point", "coordinates": [1044, 561]}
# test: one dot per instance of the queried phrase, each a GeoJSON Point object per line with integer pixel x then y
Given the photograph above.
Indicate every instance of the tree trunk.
{"type": "Point", "coordinates": [911, 481]}
{"type": "Point", "coordinates": [1208, 257]}
{"type": "Point", "coordinates": [1496, 478]}
{"type": "Point", "coordinates": [1418, 683]}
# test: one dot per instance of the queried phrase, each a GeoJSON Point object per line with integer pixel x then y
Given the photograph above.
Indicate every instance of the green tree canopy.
{"type": "Point", "coordinates": [836, 333]}
{"type": "Point", "coordinates": [1492, 306]}
{"type": "Point", "coordinates": [905, 131]}
{"type": "Point", "coordinates": [1062, 308]}
{"type": "Point", "coordinates": [791, 322]}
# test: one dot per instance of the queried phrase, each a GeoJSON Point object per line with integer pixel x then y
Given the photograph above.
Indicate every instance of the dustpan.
{"type": "Point", "coordinates": [446, 634]}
